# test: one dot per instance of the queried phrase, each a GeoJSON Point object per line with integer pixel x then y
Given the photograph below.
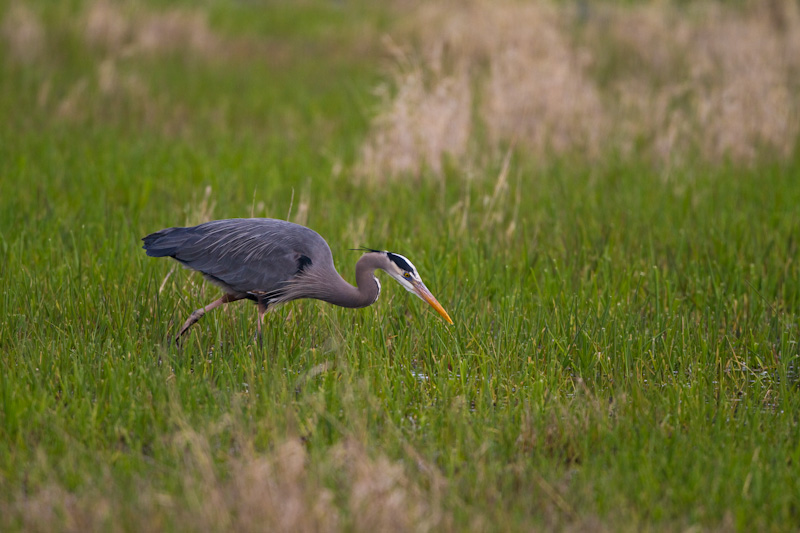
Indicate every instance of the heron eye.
{"type": "Point", "coordinates": [407, 274]}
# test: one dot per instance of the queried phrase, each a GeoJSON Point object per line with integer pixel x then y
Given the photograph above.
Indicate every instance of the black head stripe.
{"type": "Point", "coordinates": [400, 262]}
{"type": "Point", "coordinates": [303, 261]}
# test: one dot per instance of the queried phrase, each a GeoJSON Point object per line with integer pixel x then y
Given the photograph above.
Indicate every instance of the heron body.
{"type": "Point", "coordinates": [273, 261]}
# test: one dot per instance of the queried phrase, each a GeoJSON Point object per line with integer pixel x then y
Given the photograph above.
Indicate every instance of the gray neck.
{"type": "Point", "coordinates": [366, 290]}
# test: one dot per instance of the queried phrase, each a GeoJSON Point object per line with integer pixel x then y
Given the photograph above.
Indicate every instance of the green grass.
{"type": "Point", "coordinates": [624, 357]}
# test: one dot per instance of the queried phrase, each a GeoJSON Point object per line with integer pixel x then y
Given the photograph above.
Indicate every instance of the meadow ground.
{"type": "Point", "coordinates": [603, 196]}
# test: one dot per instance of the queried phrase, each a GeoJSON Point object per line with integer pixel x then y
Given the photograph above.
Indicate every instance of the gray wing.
{"type": "Point", "coordinates": [245, 255]}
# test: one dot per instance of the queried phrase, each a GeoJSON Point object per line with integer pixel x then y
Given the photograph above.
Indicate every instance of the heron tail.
{"type": "Point", "coordinates": [165, 243]}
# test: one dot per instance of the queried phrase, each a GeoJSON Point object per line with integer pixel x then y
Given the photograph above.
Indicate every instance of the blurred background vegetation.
{"type": "Point", "coordinates": [602, 194]}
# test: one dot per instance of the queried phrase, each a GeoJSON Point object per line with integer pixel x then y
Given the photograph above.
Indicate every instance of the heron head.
{"type": "Point", "coordinates": [403, 270]}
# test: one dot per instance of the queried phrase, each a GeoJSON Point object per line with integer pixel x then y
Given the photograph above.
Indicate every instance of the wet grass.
{"type": "Point", "coordinates": [624, 354]}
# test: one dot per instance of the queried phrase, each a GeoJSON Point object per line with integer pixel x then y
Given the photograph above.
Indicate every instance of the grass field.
{"type": "Point", "coordinates": [611, 221]}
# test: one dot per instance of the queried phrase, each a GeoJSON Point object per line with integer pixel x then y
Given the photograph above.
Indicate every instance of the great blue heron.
{"type": "Point", "coordinates": [274, 261]}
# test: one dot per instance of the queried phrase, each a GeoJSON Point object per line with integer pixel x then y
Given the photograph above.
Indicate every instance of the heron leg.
{"type": "Point", "coordinates": [262, 310]}
{"type": "Point", "coordinates": [198, 313]}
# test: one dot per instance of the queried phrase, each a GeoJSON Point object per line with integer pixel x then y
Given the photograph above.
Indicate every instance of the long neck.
{"type": "Point", "coordinates": [366, 290]}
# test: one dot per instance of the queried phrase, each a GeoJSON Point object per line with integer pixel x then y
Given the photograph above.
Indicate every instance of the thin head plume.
{"type": "Point", "coordinates": [365, 249]}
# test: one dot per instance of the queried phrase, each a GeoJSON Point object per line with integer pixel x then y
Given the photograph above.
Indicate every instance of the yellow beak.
{"type": "Point", "coordinates": [422, 291]}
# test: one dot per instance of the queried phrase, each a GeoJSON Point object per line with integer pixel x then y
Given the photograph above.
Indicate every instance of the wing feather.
{"type": "Point", "coordinates": [246, 255]}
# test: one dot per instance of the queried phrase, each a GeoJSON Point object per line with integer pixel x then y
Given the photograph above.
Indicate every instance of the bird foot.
{"type": "Point", "coordinates": [194, 317]}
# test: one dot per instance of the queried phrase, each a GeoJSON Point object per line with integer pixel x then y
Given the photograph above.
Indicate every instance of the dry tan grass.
{"type": "Point", "coordinates": [279, 490]}
{"type": "Point", "coordinates": [117, 33]}
{"type": "Point", "coordinates": [120, 29]}
{"type": "Point", "coordinates": [384, 498]}
{"type": "Point", "coordinates": [530, 83]}
{"type": "Point", "coordinates": [725, 82]}
{"type": "Point", "coordinates": [176, 30]}
{"type": "Point", "coordinates": [105, 26]}
{"type": "Point", "coordinates": [272, 492]}
{"type": "Point", "coordinates": [537, 93]}
{"type": "Point", "coordinates": [752, 104]}
{"type": "Point", "coordinates": [428, 118]}
{"type": "Point", "coordinates": [707, 81]}
{"type": "Point", "coordinates": [125, 30]}
{"type": "Point", "coordinates": [23, 34]}
{"type": "Point", "coordinates": [113, 93]}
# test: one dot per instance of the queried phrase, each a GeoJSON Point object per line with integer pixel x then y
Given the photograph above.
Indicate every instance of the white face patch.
{"type": "Point", "coordinates": [404, 271]}
{"type": "Point", "coordinates": [409, 266]}
{"type": "Point", "coordinates": [378, 283]}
